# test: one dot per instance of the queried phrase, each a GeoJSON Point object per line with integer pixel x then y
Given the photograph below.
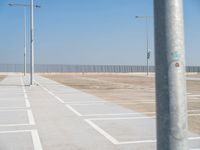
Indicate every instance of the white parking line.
{"type": "Point", "coordinates": [118, 114]}
{"type": "Point", "coordinates": [51, 93]}
{"type": "Point", "coordinates": [118, 102]}
{"type": "Point", "coordinates": [23, 109]}
{"type": "Point", "coordinates": [35, 137]}
{"type": "Point", "coordinates": [122, 118]}
{"type": "Point", "coordinates": [27, 103]}
{"type": "Point", "coordinates": [59, 99]}
{"type": "Point", "coordinates": [114, 140]}
{"type": "Point", "coordinates": [31, 118]}
{"type": "Point", "coordinates": [73, 110]}
{"type": "Point", "coordinates": [102, 132]}
{"type": "Point", "coordinates": [36, 140]}
{"type": "Point", "coordinates": [25, 94]}
{"type": "Point", "coordinates": [111, 102]}
{"type": "Point", "coordinates": [29, 114]}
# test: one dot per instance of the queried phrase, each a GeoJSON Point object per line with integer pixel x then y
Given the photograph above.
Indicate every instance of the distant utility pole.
{"type": "Point", "coordinates": [148, 51]}
{"type": "Point", "coordinates": [24, 6]}
{"type": "Point", "coordinates": [172, 126]}
{"type": "Point", "coordinates": [32, 42]}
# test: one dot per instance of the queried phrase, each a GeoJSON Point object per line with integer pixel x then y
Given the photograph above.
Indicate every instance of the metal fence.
{"type": "Point", "coordinates": [85, 68]}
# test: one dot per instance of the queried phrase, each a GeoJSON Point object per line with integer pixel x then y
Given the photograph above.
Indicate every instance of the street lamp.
{"type": "Point", "coordinates": [148, 51]}
{"type": "Point", "coordinates": [31, 42]}
{"type": "Point", "coordinates": [24, 6]}
{"type": "Point", "coordinates": [25, 46]}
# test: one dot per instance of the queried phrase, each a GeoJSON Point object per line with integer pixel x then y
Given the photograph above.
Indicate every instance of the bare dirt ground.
{"type": "Point", "coordinates": [2, 77]}
{"type": "Point", "coordinates": [130, 89]}
{"type": "Point", "coordinates": [194, 75]}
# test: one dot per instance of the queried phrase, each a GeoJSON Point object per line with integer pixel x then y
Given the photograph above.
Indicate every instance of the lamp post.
{"type": "Point", "coordinates": [171, 100]}
{"type": "Point", "coordinates": [148, 51]}
{"type": "Point", "coordinates": [31, 42]}
{"type": "Point", "coordinates": [25, 37]}
{"type": "Point", "coordinates": [25, 47]}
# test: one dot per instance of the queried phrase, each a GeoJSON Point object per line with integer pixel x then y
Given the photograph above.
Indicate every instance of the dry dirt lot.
{"type": "Point", "coordinates": [128, 88]}
{"type": "Point", "coordinates": [2, 77]}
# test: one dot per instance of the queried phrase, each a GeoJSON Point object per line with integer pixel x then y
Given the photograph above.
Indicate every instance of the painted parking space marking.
{"type": "Point", "coordinates": [113, 140]}
{"type": "Point", "coordinates": [73, 110]}
{"type": "Point", "coordinates": [51, 93]}
{"type": "Point", "coordinates": [69, 106]}
{"type": "Point", "coordinates": [29, 117]}
{"type": "Point", "coordinates": [34, 133]}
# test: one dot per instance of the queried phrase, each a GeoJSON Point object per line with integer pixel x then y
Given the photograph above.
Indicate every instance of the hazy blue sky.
{"type": "Point", "coordinates": [90, 32]}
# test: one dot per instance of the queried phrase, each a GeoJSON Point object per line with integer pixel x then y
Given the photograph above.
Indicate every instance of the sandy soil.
{"type": "Point", "coordinates": [127, 88]}
{"type": "Point", "coordinates": [194, 75]}
{"type": "Point", "coordinates": [2, 77]}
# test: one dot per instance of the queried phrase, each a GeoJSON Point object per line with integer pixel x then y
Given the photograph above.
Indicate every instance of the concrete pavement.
{"type": "Point", "coordinates": [51, 116]}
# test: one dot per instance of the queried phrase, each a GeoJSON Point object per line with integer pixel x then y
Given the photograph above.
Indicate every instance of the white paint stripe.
{"type": "Point", "coordinates": [150, 141]}
{"type": "Point", "coordinates": [73, 110]}
{"type": "Point", "coordinates": [25, 96]}
{"type": "Point", "coordinates": [13, 110]}
{"type": "Point", "coordinates": [102, 132]}
{"type": "Point", "coordinates": [136, 103]}
{"type": "Point", "coordinates": [131, 118]}
{"type": "Point", "coordinates": [59, 99]}
{"type": "Point", "coordinates": [36, 140]}
{"type": "Point", "coordinates": [35, 137]}
{"type": "Point", "coordinates": [51, 93]}
{"type": "Point", "coordinates": [30, 117]}
{"type": "Point", "coordinates": [124, 118]}
{"type": "Point", "coordinates": [137, 142]}
{"type": "Point", "coordinates": [15, 131]}
{"type": "Point", "coordinates": [44, 88]}
{"type": "Point", "coordinates": [114, 141]}
{"type": "Point", "coordinates": [5, 108]}
{"type": "Point", "coordinates": [118, 102]}
{"type": "Point", "coordinates": [27, 103]}
{"type": "Point", "coordinates": [84, 102]}
{"type": "Point", "coordinates": [117, 114]}
{"type": "Point", "coordinates": [91, 104]}
{"type": "Point", "coordinates": [122, 114]}
{"type": "Point", "coordinates": [105, 103]}
{"type": "Point", "coordinates": [14, 125]}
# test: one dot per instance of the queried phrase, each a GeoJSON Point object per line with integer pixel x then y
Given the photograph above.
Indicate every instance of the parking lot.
{"type": "Point", "coordinates": [88, 112]}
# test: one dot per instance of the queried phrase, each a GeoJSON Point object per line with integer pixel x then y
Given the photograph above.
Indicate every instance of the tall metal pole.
{"type": "Point", "coordinates": [147, 39]}
{"type": "Point", "coordinates": [32, 42]}
{"type": "Point", "coordinates": [172, 126]}
{"type": "Point", "coordinates": [25, 41]}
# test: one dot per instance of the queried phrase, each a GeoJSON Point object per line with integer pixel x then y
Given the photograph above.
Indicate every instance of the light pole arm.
{"type": "Point", "coordinates": [22, 5]}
